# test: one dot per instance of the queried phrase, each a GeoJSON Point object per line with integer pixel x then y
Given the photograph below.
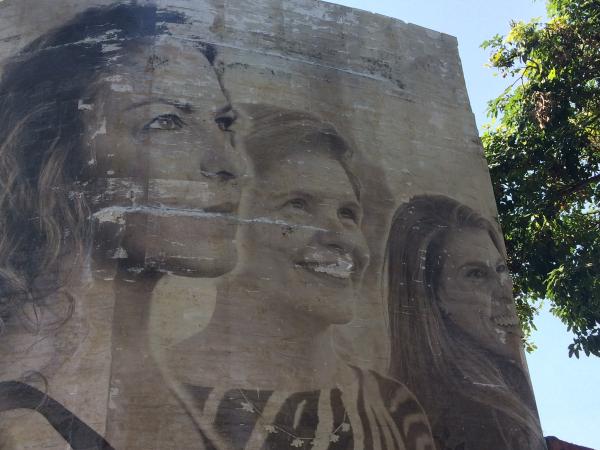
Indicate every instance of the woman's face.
{"type": "Point", "coordinates": [475, 290]}
{"type": "Point", "coordinates": [301, 236]}
{"type": "Point", "coordinates": [161, 143]}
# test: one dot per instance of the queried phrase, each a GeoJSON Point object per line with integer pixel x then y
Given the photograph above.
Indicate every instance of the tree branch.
{"type": "Point", "coordinates": [579, 186]}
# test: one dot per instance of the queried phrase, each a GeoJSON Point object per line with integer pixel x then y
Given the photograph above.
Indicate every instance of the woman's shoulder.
{"type": "Point", "coordinates": [394, 400]}
{"type": "Point", "coordinates": [391, 389]}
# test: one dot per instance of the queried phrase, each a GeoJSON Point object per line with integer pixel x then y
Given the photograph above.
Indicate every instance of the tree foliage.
{"type": "Point", "coordinates": [543, 149]}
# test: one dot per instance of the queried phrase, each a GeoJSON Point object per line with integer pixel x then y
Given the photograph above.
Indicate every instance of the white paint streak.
{"type": "Point", "coordinates": [121, 87]}
{"type": "Point", "coordinates": [110, 48]}
{"type": "Point", "coordinates": [496, 386]}
{"type": "Point", "coordinates": [81, 106]}
{"type": "Point", "coordinates": [101, 130]}
{"type": "Point", "coordinates": [116, 214]}
{"type": "Point", "coordinates": [501, 335]}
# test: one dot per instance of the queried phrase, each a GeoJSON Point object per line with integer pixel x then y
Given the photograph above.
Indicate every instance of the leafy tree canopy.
{"type": "Point", "coordinates": [543, 149]}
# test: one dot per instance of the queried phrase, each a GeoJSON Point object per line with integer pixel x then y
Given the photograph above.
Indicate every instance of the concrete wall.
{"type": "Point", "coordinates": [253, 224]}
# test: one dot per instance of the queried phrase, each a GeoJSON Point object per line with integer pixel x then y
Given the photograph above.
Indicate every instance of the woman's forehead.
{"type": "Point", "coordinates": [168, 66]}
{"type": "Point", "coordinates": [309, 171]}
{"type": "Point", "coordinates": [471, 243]}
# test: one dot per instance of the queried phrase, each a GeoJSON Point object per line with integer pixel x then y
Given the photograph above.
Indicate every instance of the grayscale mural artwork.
{"type": "Point", "coordinates": [247, 225]}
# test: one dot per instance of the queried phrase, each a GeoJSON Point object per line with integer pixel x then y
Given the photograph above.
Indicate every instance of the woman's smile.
{"type": "Point", "coordinates": [329, 263]}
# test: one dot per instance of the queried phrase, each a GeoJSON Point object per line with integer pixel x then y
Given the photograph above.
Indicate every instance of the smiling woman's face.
{"type": "Point", "coordinates": [161, 145]}
{"type": "Point", "coordinates": [476, 290]}
{"type": "Point", "coordinates": [301, 236]}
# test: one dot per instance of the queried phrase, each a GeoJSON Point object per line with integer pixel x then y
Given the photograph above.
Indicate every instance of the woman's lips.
{"type": "Point", "coordinates": [505, 325]}
{"type": "Point", "coordinates": [506, 320]}
{"type": "Point", "coordinates": [333, 265]}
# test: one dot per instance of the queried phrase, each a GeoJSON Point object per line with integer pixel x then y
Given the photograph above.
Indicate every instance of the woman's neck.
{"type": "Point", "coordinates": [251, 342]}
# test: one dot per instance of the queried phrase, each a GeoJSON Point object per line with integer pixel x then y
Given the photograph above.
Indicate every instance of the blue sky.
{"type": "Point", "coordinates": [567, 389]}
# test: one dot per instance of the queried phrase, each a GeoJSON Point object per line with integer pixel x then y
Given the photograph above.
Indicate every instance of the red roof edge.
{"type": "Point", "coordinates": [556, 444]}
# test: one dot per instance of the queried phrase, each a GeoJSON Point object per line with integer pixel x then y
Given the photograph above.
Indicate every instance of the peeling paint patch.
{"type": "Point", "coordinates": [106, 48]}
{"type": "Point", "coordinates": [101, 130]}
{"type": "Point", "coordinates": [82, 106]}
{"type": "Point", "coordinates": [114, 78]}
{"type": "Point", "coordinates": [497, 386]}
{"type": "Point", "coordinates": [121, 87]}
{"type": "Point", "coordinates": [501, 335]}
{"type": "Point", "coordinates": [111, 214]}
{"type": "Point", "coordinates": [120, 253]}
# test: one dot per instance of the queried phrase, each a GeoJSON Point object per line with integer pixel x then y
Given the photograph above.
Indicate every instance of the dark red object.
{"type": "Point", "coordinates": [556, 444]}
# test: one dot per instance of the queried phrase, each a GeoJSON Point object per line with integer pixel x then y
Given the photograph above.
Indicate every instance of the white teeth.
{"type": "Point", "coordinates": [335, 264]}
{"type": "Point", "coordinates": [339, 270]}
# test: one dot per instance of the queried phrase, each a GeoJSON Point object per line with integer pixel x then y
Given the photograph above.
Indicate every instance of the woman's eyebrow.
{"type": "Point", "coordinates": [295, 193]}
{"type": "Point", "coordinates": [474, 263]}
{"type": "Point", "coordinates": [353, 204]}
{"type": "Point", "coordinates": [185, 107]}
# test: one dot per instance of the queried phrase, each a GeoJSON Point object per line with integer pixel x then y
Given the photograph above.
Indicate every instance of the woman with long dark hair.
{"type": "Point", "coordinates": [455, 336]}
{"type": "Point", "coordinates": [89, 116]}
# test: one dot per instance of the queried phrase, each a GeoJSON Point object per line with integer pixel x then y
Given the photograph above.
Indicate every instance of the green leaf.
{"type": "Point", "coordinates": [543, 151]}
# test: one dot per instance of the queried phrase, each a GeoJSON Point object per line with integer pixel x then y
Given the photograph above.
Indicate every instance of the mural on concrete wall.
{"type": "Point", "coordinates": [223, 230]}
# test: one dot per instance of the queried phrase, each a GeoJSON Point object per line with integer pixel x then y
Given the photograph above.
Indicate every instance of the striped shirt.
{"type": "Point", "coordinates": [371, 413]}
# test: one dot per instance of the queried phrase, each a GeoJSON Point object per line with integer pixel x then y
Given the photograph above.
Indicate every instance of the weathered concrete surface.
{"type": "Point", "coordinates": [247, 225]}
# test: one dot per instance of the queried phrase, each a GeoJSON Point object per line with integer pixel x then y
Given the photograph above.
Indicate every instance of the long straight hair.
{"type": "Point", "coordinates": [431, 354]}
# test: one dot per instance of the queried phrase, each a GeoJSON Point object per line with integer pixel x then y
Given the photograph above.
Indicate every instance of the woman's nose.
{"type": "Point", "coordinates": [218, 164]}
{"type": "Point", "coordinates": [505, 284]}
{"type": "Point", "coordinates": [503, 291]}
{"type": "Point", "coordinates": [348, 241]}
{"type": "Point", "coordinates": [224, 162]}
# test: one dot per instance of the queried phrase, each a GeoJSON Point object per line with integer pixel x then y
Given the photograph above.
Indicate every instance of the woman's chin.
{"type": "Point", "coordinates": [503, 343]}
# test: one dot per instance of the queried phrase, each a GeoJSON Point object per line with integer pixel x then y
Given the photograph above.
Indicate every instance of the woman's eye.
{"type": "Point", "coordinates": [476, 274]}
{"type": "Point", "coordinates": [501, 268]}
{"type": "Point", "coordinates": [348, 214]}
{"type": "Point", "coordinates": [297, 203]}
{"type": "Point", "coordinates": [165, 122]}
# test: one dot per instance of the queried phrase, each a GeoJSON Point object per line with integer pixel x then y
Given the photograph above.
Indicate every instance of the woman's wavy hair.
{"type": "Point", "coordinates": [431, 354]}
{"type": "Point", "coordinates": [44, 170]}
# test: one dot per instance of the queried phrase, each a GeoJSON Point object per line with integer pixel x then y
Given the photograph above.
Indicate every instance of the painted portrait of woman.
{"type": "Point", "coordinates": [117, 160]}
{"type": "Point", "coordinates": [455, 335]}
{"type": "Point", "coordinates": [264, 372]}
